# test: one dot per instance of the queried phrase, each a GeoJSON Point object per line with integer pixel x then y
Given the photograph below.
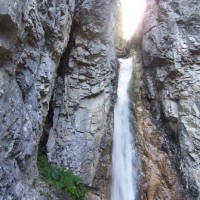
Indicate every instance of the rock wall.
{"type": "Point", "coordinates": [84, 96]}
{"type": "Point", "coordinates": [34, 34]}
{"type": "Point", "coordinates": [166, 100]}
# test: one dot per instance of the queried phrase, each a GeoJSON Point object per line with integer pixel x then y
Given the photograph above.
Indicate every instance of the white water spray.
{"type": "Point", "coordinates": [123, 156]}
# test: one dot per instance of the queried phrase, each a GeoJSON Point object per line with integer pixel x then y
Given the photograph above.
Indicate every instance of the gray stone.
{"type": "Point", "coordinates": [170, 109]}
{"type": "Point", "coordinates": [32, 41]}
{"type": "Point", "coordinates": [170, 72]}
{"type": "Point", "coordinates": [76, 136]}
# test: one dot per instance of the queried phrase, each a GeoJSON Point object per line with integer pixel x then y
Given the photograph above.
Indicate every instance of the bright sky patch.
{"type": "Point", "coordinates": [131, 14]}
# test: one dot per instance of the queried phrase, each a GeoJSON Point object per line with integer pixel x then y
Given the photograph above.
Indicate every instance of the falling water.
{"type": "Point", "coordinates": [123, 156]}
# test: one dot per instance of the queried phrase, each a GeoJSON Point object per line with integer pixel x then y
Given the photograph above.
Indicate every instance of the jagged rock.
{"type": "Point", "coordinates": [169, 68]}
{"type": "Point", "coordinates": [33, 36]}
{"type": "Point", "coordinates": [81, 135]}
{"type": "Point", "coordinates": [170, 109]}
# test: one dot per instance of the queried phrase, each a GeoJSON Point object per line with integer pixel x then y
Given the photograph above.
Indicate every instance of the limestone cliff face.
{"type": "Point", "coordinates": [84, 96]}
{"type": "Point", "coordinates": [166, 100]}
{"type": "Point", "coordinates": [77, 92]}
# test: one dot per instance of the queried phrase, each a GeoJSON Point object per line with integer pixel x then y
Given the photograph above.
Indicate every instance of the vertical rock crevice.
{"type": "Point", "coordinates": [57, 91]}
{"type": "Point", "coordinates": [83, 98]}
{"type": "Point", "coordinates": [58, 80]}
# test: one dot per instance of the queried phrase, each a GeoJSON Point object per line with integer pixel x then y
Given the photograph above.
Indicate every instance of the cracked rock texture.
{"type": "Point", "coordinates": [166, 100]}
{"type": "Point", "coordinates": [83, 99]}
{"type": "Point", "coordinates": [34, 35]}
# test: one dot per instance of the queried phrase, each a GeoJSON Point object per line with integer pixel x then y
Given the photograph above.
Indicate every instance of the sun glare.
{"type": "Point", "coordinates": [131, 14]}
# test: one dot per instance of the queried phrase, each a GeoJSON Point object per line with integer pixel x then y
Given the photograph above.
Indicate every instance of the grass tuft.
{"type": "Point", "coordinates": [61, 178]}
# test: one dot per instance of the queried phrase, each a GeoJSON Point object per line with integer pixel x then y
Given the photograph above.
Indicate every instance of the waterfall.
{"type": "Point", "coordinates": [123, 156]}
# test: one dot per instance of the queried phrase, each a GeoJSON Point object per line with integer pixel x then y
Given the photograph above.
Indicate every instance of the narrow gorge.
{"type": "Point", "coordinates": [59, 72]}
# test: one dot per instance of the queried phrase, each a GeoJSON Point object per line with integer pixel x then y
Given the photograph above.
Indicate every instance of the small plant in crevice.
{"type": "Point", "coordinates": [61, 178]}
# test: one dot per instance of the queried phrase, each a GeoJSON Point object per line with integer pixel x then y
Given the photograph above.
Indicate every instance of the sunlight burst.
{"type": "Point", "coordinates": [131, 14]}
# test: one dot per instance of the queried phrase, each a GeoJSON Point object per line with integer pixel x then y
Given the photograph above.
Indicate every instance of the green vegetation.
{"type": "Point", "coordinates": [61, 178]}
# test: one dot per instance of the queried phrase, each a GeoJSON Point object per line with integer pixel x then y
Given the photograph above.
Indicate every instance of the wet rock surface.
{"type": "Point", "coordinates": [166, 100]}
